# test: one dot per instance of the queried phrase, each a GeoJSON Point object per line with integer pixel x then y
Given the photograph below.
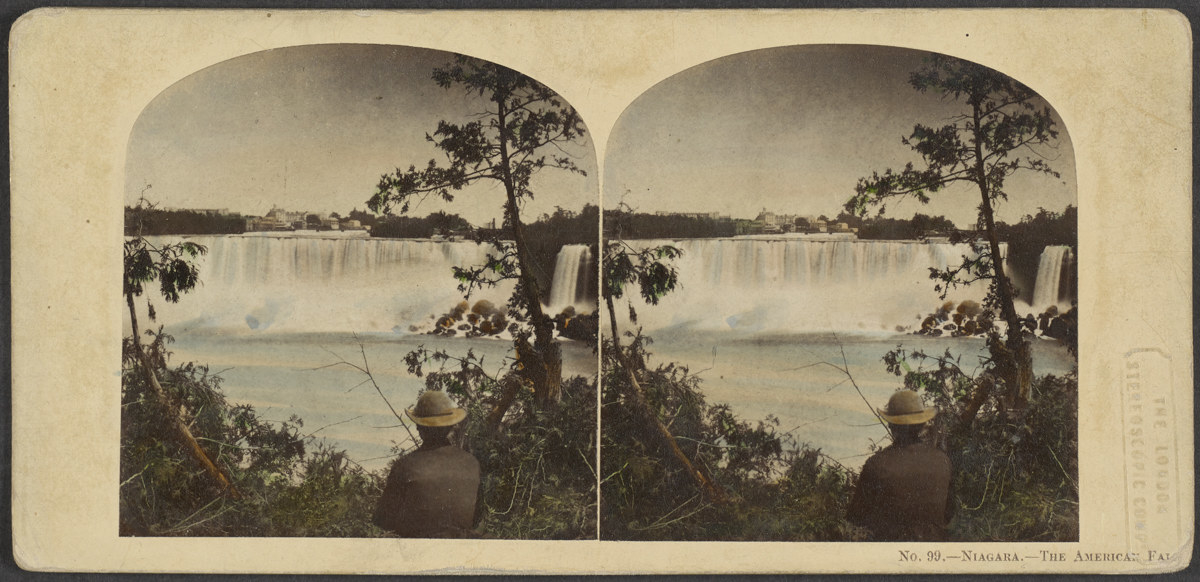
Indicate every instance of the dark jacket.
{"type": "Point", "coordinates": [904, 494]}
{"type": "Point", "coordinates": [431, 493]}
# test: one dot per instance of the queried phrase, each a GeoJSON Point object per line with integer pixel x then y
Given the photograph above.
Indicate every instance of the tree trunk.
{"type": "Point", "coordinates": [1017, 364]}
{"type": "Point", "coordinates": [983, 388]}
{"type": "Point", "coordinates": [541, 363]}
{"type": "Point", "coordinates": [182, 432]}
{"type": "Point", "coordinates": [511, 386]}
{"type": "Point", "coordinates": [637, 396]}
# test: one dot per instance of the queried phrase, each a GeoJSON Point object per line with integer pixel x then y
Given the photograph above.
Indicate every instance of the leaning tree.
{"type": "Point", "coordinates": [521, 130]}
{"type": "Point", "coordinates": [996, 135]}
{"type": "Point", "coordinates": [172, 266]}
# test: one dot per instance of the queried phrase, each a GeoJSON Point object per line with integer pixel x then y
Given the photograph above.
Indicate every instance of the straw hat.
{"type": "Point", "coordinates": [906, 407]}
{"type": "Point", "coordinates": [434, 408]}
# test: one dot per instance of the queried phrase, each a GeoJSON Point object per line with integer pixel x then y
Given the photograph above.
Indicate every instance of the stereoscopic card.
{"type": "Point", "coordinates": [574, 292]}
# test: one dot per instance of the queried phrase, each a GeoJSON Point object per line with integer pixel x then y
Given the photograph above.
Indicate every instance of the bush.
{"type": "Point", "coordinates": [1017, 475]}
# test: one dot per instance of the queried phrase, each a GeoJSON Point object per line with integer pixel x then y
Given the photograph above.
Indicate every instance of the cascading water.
{"type": "Point", "coordinates": [793, 284]}
{"type": "Point", "coordinates": [315, 284]}
{"type": "Point", "coordinates": [572, 276]}
{"type": "Point", "coordinates": [1047, 290]}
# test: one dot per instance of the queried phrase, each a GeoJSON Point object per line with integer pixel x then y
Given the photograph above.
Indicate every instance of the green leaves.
{"type": "Point", "coordinates": [501, 144]}
{"type": "Point", "coordinates": [996, 135]}
{"type": "Point", "coordinates": [169, 264]}
{"type": "Point", "coordinates": [649, 268]}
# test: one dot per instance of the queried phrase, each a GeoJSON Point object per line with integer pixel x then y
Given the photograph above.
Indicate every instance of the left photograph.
{"type": "Point", "coordinates": [361, 302]}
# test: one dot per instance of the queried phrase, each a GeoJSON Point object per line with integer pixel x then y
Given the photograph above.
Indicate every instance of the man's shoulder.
{"type": "Point", "coordinates": [448, 453]}
{"type": "Point", "coordinates": [920, 449]}
{"type": "Point", "coordinates": [440, 459]}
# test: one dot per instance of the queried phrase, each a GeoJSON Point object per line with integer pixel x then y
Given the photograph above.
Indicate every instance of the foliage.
{"type": "Point", "coordinates": [780, 489]}
{"type": "Point", "coordinates": [175, 420]}
{"type": "Point", "coordinates": [983, 147]}
{"type": "Point", "coordinates": [507, 144]}
{"type": "Point", "coordinates": [1041, 230]}
{"type": "Point", "coordinates": [144, 262]}
{"type": "Point", "coordinates": [537, 462]}
{"type": "Point", "coordinates": [287, 489]}
{"type": "Point", "coordinates": [364, 218]}
{"type": "Point", "coordinates": [996, 139]}
{"type": "Point", "coordinates": [649, 268]}
{"type": "Point", "coordinates": [1016, 471]}
{"type": "Point", "coordinates": [502, 143]}
{"type": "Point", "coordinates": [535, 449]}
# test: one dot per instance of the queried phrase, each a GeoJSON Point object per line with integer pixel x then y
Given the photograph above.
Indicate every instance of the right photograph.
{"type": "Point", "coordinates": [839, 304]}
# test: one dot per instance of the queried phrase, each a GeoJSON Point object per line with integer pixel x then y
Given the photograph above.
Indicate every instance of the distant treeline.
{"type": "Point", "coordinates": [919, 226]}
{"type": "Point", "coordinates": [159, 222]}
{"type": "Point", "coordinates": [1036, 232]}
{"type": "Point", "coordinates": [653, 226]}
{"type": "Point", "coordinates": [437, 223]}
{"type": "Point", "coordinates": [628, 226]}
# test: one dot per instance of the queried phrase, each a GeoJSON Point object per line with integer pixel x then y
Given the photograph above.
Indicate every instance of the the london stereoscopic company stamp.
{"type": "Point", "coordinates": [745, 291]}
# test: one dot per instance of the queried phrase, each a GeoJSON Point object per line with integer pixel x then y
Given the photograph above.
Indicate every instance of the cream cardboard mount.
{"type": "Point", "coordinates": [1120, 79]}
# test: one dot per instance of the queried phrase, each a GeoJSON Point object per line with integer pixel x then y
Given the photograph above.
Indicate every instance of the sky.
{"type": "Point", "coordinates": [787, 129]}
{"type": "Point", "coordinates": [312, 128]}
{"type": "Point", "coordinates": [791, 130]}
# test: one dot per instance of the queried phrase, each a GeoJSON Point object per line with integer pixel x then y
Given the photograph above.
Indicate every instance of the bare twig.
{"type": "Point", "coordinates": [309, 435]}
{"type": "Point", "coordinates": [365, 368]}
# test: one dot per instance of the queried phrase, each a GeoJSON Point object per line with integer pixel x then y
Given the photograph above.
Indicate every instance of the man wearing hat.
{"type": "Point", "coordinates": [903, 491]}
{"type": "Point", "coordinates": [432, 492]}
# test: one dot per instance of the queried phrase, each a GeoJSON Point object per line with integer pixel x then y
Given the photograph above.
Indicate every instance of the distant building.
{"type": "Point", "coordinates": [277, 219]}
{"type": "Point", "coordinates": [810, 225]}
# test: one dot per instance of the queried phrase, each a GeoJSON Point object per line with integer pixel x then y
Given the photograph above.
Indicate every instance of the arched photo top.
{"type": "Point", "coordinates": [303, 203]}
{"type": "Point", "coordinates": [793, 129]}
{"type": "Point", "coordinates": [314, 127]}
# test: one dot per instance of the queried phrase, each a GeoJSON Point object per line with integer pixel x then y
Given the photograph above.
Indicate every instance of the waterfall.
{"type": "Point", "coordinates": [572, 276]}
{"type": "Point", "coordinates": [789, 284]}
{"type": "Point", "coordinates": [1047, 289]}
{"type": "Point", "coordinates": [317, 284]}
